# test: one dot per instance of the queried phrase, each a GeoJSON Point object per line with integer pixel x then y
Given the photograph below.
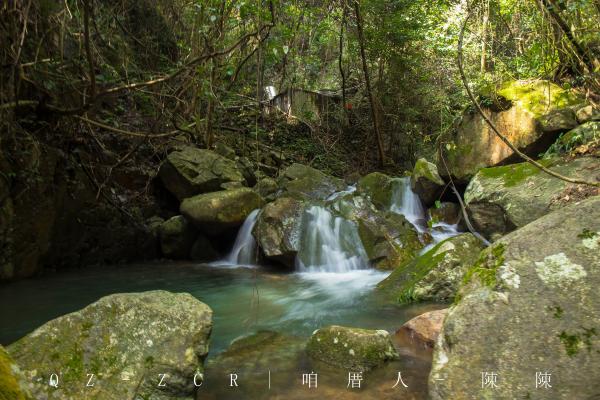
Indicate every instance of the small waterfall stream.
{"type": "Point", "coordinates": [329, 243]}
{"type": "Point", "coordinates": [244, 248]}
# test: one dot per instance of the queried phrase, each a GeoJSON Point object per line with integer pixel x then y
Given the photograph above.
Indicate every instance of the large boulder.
{"type": "Point", "coordinates": [190, 171]}
{"type": "Point", "coordinates": [388, 238]}
{"type": "Point", "coordinates": [426, 182]}
{"type": "Point", "coordinates": [378, 187]}
{"type": "Point", "coordinates": [177, 235]}
{"type": "Point", "coordinates": [214, 213]}
{"type": "Point", "coordinates": [424, 328]}
{"type": "Point", "coordinates": [501, 199]}
{"type": "Point", "coordinates": [13, 384]}
{"type": "Point", "coordinates": [126, 341]}
{"type": "Point", "coordinates": [530, 305]}
{"type": "Point", "coordinates": [434, 275]}
{"type": "Point", "coordinates": [278, 230]}
{"type": "Point", "coordinates": [353, 349]}
{"type": "Point", "coordinates": [473, 145]}
{"type": "Point", "coordinates": [304, 182]}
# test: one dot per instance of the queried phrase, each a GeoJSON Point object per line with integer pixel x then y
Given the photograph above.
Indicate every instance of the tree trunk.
{"type": "Point", "coordinates": [361, 41]}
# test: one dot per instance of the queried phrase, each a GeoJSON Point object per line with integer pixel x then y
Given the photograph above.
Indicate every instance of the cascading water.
{"type": "Point", "coordinates": [244, 248]}
{"type": "Point", "coordinates": [404, 201]}
{"type": "Point", "coordinates": [329, 243]}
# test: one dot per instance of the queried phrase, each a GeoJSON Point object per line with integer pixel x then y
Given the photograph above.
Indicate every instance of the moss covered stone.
{"type": "Point", "coordinates": [215, 212]}
{"type": "Point", "coordinates": [277, 229]}
{"type": "Point", "coordinates": [190, 171]}
{"type": "Point", "coordinates": [378, 187]}
{"type": "Point", "coordinates": [501, 199]}
{"type": "Point", "coordinates": [540, 278]}
{"type": "Point", "coordinates": [127, 340]}
{"type": "Point", "coordinates": [435, 275]}
{"type": "Point", "coordinates": [426, 182]}
{"type": "Point", "coordinates": [12, 381]}
{"type": "Point", "coordinates": [353, 349]}
{"type": "Point", "coordinates": [304, 182]}
{"type": "Point", "coordinates": [177, 236]}
{"type": "Point", "coordinates": [473, 145]}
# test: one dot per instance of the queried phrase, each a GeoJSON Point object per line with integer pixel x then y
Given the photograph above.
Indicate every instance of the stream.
{"type": "Point", "coordinates": [332, 285]}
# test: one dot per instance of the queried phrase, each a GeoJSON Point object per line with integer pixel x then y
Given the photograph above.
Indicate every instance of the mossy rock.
{"type": "Point", "coordinates": [352, 349]}
{"type": "Point", "coordinates": [190, 171]}
{"type": "Point", "coordinates": [435, 275]}
{"type": "Point", "coordinates": [278, 230]}
{"type": "Point", "coordinates": [214, 213]}
{"type": "Point", "coordinates": [304, 183]}
{"type": "Point", "coordinates": [501, 199]}
{"type": "Point", "coordinates": [12, 381]}
{"type": "Point", "coordinates": [473, 145]}
{"type": "Point", "coordinates": [177, 235]}
{"type": "Point", "coordinates": [378, 187]}
{"type": "Point", "coordinates": [426, 182]}
{"type": "Point", "coordinates": [389, 239]}
{"type": "Point", "coordinates": [530, 303]}
{"type": "Point", "coordinates": [267, 188]}
{"type": "Point", "coordinates": [583, 134]}
{"type": "Point", "coordinates": [126, 340]}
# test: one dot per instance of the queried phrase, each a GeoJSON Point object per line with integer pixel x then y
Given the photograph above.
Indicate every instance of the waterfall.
{"type": "Point", "coordinates": [244, 248]}
{"type": "Point", "coordinates": [329, 243]}
{"type": "Point", "coordinates": [404, 201]}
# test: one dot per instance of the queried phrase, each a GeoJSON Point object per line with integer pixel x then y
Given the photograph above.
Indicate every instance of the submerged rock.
{"type": "Point", "coordinates": [353, 349]}
{"type": "Point", "coordinates": [378, 187]}
{"type": "Point", "coordinates": [530, 304]}
{"type": "Point", "coordinates": [215, 212]}
{"type": "Point", "coordinates": [177, 236]}
{"type": "Point", "coordinates": [13, 385]}
{"type": "Point", "coordinates": [501, 199]}
{"type": "Point", "coordinates": [434, 275]}
{"type": "Point", "coordinates": [191, 171]}
{"type": "Point", "coordinates": [127, 340]}
{"type": "Point", "coordinates": [277, 230]}
{"type": "Point", "coordinates": [426, 182]}
{"type": "Point", "coordinates": [474, 145]}
{"type": "Point", "coordinates": [424, 328]}
{"type": "Point", "coordinates": [304, 182]}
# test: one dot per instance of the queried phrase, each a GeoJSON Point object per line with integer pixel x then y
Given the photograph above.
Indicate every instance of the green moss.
{"type": "Point", "coordinates": [558, 312]}
{"type": "Point", "coordinates": [574, 342]}
{"type": "Point", "coordinates": [486, 266]}
{"type": "Point", "coordinates": [587, 234]}
{"type": "Point", "coordinates": [9, 386]}
{"type": "Point", "coordinates": [514, 174]}
{"type": "Point", "coordinates": [538, 97]}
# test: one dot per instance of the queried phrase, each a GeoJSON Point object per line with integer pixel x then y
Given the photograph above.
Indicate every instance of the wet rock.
{"type": "Point", "coordinates": [426, 182]}
{"type": "Point", "coordinates": [448, 213]}
{"type": "Point", "coordinates": [191, 171]}
{"type": "Point", "coordinates": [529, 304]}
{"type": "Point", "coordinates": [353, 349]}
{"type": "Point", "coordinates": [214, 213]}
{"type": "Point", "coordinates": [434, 275]}
{"type": "Point", "coordinates": [13, 385]}
{"type": "Point", "coordinates": [587, 114]}
{"type": "Point", "coordinates": [177, 235]}
{"type": "Point", "coordinates": [127, 340]}
{"type": "Point", "coordinates": [389, 239]}
{"type": "Point", "coordinates": [304, 182]}
{"type": "Point", "coordinates": [378, 187]}
{"type": "Point", "coordinates": [474, 145]}
{"type": "Point", "coordinates": [277, 229]}
{"type": "Point", "coordinates": [424, 328]}
{"type": "Point", "coordinates": [501, 199]}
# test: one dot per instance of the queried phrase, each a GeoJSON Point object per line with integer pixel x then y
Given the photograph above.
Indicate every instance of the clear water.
{"type": "Point", "coordinates": [244, 301]}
